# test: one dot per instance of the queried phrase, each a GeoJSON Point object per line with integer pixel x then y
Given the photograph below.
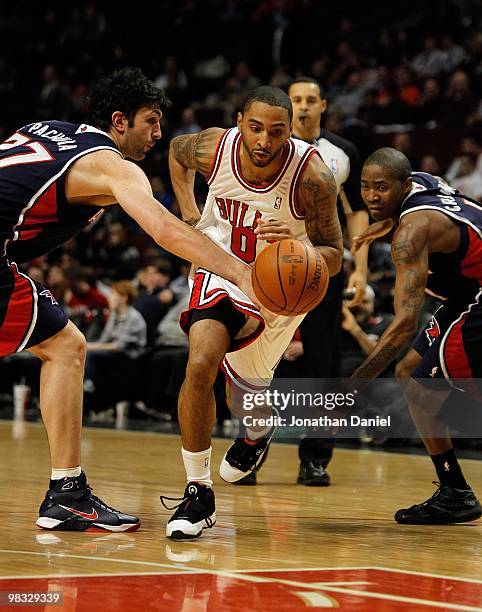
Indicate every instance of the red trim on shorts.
{"type": "Point", "coordinates": [236, 345]}
{"type": "Point", "coordinates": [243, 307]}
{"type": "Point", "coordinates": [456, 361]}
{"type": "Point", "coordinates": [26, 234]}
{"type": "Point", "coordinates": [18, 316]}
{"type": "Point", "coordinates": [230, 374]}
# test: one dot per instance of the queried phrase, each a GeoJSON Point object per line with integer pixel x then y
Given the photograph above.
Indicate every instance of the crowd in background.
{"type": "Point", "coordinates": [408, 76]}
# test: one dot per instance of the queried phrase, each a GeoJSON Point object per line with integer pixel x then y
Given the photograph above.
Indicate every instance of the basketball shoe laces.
{"type": "Point", "coordinates": [183, 505]}
{"type": "Point", "coordinates": [433, 500]}
{"type": "Point", "coordinates": [89, 496]}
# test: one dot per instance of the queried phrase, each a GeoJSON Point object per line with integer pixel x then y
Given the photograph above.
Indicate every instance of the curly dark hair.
{"type": "Point", "coordinates": [126, 90]}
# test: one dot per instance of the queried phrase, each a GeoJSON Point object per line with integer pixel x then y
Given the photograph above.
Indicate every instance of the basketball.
{"type": "Point", "coordinates": [289, 277]}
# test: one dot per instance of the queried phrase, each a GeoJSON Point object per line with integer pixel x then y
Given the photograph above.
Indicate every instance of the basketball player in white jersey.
{"type": "Point", "coordinates": [255, 172]}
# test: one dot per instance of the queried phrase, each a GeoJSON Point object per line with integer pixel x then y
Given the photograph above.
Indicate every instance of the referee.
{"type": "Point", "coordinates": [321, 328]}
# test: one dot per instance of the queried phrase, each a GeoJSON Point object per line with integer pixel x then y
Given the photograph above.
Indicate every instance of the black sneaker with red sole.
{"type": "Point", "coordinates": [69, 505]}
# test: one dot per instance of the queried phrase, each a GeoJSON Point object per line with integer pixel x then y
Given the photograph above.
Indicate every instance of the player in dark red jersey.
{"type": "Point", "coordinates": [436, 248]}
{"type": "Point", "coordinates": [55, 179]}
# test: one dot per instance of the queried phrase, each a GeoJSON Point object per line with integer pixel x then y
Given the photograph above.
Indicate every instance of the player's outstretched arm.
{"type": "Point", "coordinates": [410, 256]}
{"type": "Point", "coordinates": [372, 232]}
{"type": "Point", "coordinates": [317, 201]}
{"type": "Point", "coordinates": [187, 154]}
{"type": "Point", "coordinates": [131, 189]}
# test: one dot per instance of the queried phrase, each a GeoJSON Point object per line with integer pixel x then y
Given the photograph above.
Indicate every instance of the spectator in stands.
{"type": "Point", "coordinates": [362, 327]}
{"type": "Point", "coordinates": [454, 54]}
{"type": "Point", "coordinates": [167, 363]}
{"type": "Point", "coordinates": [460, 101]}
{"type": "Point", "coordinates": [171, 77]}
{"type": "Point", "coordinates": [154, 298]}
{"type": "Point", "coordinates": [469, 144]}
{"type": "Point", "coordinates": [431, 60]}
{"type": "Point", "coordinates": [116, 256]}
{"type": "Point", "coordinates": [430, 164]}
{"type": "Point", "coordinates": [54, 96]}
{"type": "Point", "coordinates": [111, 358]}
{"type": "Point", "coordinates": [84, 304]}
{"type": "Point", "coordinates": [179, 286]}
{"type": "Point", "coordinates": [431, 102]}
{"type": "Point", "coordinates": [469, 180]}
{"type": "Point", "coordinates": [351, 96]}
{"type": "Point", "coordinates": [189, 124]}
{"type": "Point", "coordinates": [402, 141]}
{"type": "Point", "coordinates": [160, 193]}
{"type": "Point", "coordinates": [409, 90]}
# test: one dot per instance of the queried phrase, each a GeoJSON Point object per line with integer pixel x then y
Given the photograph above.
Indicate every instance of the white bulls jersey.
{"type": "Point", "coordinates": [234, 206]}
{"type": "Point", "coordinates": [232, 211]}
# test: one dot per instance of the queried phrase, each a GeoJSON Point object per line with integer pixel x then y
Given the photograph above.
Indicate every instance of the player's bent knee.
{"type": "Point", "coordinates": [201, 369]}
{"type": "Point", "coordinates": [68, 346]}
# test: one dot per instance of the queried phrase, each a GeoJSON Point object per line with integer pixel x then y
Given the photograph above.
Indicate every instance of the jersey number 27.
{"type": "Point", "coordinates": [36, 153]}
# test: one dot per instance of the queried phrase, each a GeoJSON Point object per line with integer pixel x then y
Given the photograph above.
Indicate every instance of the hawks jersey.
{"type": "Point", "coordinates": [456, 276]}
{"type": "Point", "coordinates": [35, 216]}
{"type": "Point", "coordinates": [234, 205]}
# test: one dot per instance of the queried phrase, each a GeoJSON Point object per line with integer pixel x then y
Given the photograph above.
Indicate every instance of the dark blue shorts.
{"type": "Point", "coordinates": [29, 313]}
{"type": "Point", "coordinates": [451, 343]}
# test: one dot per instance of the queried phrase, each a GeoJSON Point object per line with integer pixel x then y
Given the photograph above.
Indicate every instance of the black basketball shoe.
{"type": "Point", "coordinates": [243, 457]}
{"type": "Point", "coordinates": [447, 505]}
{"type": "Point", "coordinates": [313, 475]}
{"type": "Point", "coordinates": [250, 479]}
{"type": "Point", "coordinates": [196, 512]}
{"type": "Point", "coordinates": [70, 506]}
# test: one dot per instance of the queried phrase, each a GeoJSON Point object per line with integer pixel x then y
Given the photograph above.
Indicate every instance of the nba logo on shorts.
{"type": "Point", "coordinates": [277, 202]}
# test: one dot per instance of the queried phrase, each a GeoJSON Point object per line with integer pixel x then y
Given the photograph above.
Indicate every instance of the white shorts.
{"type": "Point", "coordinates": [254, 353]}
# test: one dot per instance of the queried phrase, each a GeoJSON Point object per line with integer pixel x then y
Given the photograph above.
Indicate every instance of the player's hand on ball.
{"type": "Point", "coordinates": [272, 230]}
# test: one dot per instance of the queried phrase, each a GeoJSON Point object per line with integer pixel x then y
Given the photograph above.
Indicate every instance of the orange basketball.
{"type": "Point", "coordinates": [289, 277]}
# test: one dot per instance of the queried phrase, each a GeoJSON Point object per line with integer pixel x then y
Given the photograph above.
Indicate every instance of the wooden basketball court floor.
{"type": "Point", "coordinates": [277, 546]}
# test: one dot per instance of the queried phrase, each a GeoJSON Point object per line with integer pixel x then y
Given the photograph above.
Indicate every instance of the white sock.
{"type": "Point", "coordinates": [256, 435]}
{"type": "Point", "coordinates": [198, 466]}
{"type": "Point", "coordinates": [57, 474]}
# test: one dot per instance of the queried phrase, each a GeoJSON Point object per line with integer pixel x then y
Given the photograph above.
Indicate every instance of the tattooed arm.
{"type": "Point", "coordinates": [410, 256]}
{"type": "Point", "coordinates": [316, 199]}
{"type": "Point", "coordinates": [187, 154]}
